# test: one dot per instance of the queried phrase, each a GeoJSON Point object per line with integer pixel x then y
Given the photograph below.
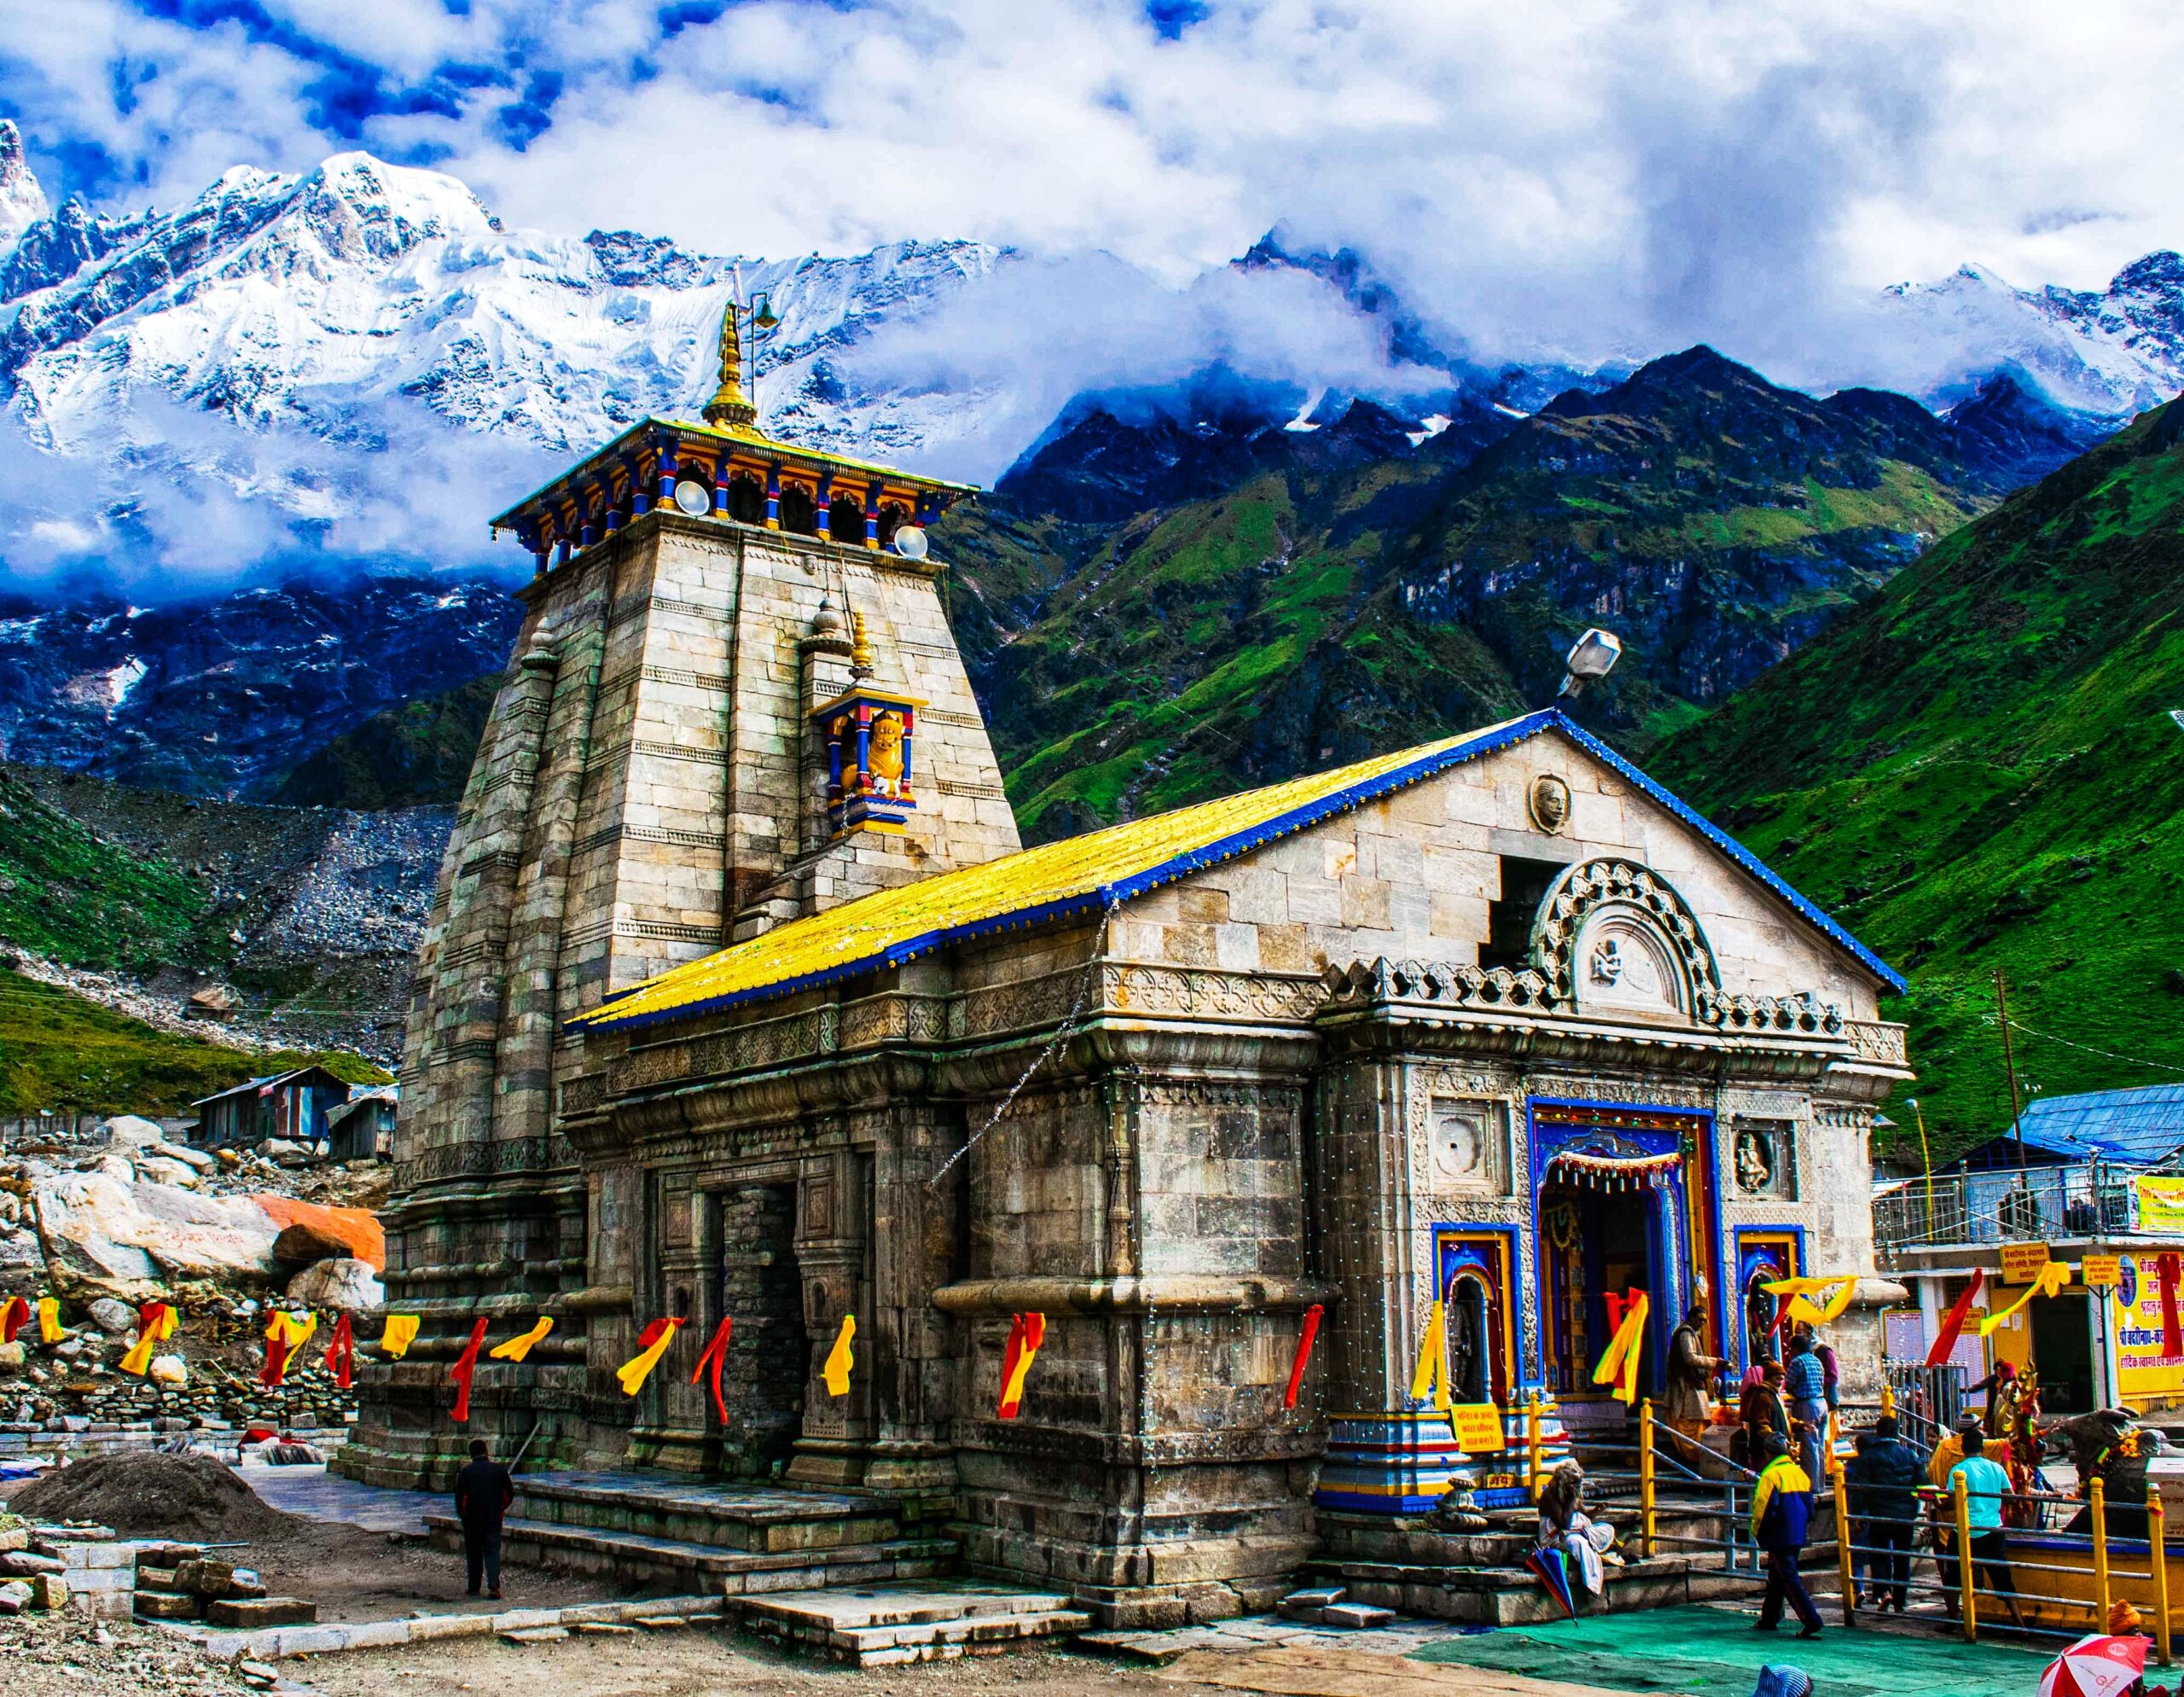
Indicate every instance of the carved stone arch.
{"type": "Point", "coordinates": [1592, 889]}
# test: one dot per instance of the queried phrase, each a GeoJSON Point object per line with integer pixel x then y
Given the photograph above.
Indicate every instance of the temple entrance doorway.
{"type": "Point", "coordinates": [1597, 1237]}
{"type": "Point", "coordinates": [770, 1351]}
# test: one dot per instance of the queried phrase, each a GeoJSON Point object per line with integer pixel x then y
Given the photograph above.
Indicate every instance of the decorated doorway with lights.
{"type": "Point", "coordinates": [1623, 1207]}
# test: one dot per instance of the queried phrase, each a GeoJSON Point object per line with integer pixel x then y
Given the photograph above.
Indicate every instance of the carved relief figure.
{"type": "Point", "coordinates": [1549, 799]}
{"type": "Point", "coordinates": [1755, 1156]}
{"type": "Point", "coordinates": [886, 756]}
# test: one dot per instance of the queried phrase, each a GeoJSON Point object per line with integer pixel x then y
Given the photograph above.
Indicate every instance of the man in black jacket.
{"type": "Point", "coordinates": [483, 1493]}
{"type": "Point", "coordinates": [1884, 1477]}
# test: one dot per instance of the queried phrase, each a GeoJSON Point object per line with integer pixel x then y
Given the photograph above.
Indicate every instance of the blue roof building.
{"type": "Point", "coordinates": [2142, 1127]}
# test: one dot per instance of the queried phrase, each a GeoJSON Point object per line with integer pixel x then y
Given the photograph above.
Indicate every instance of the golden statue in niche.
{"type": "Point", "coordinates": [885, 766]}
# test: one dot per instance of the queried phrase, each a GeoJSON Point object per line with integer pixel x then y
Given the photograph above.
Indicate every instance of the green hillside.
{"type": "Point", "coordinates": [58, 1051]}
{"type": "Point", "coordinates": [417, 754]}
{"type": "Point", "coordinates": [1979, 770]}
{"type": "Point", "coordinates": [1315, 614]}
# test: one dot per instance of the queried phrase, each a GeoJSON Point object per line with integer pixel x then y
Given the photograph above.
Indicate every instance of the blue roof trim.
{"type": "Point", "coordinates": [1730, 846]}
{"type": "Point", "coordinates": [1297, 819]}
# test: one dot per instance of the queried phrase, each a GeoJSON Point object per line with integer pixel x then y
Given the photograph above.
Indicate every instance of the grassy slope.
{"type": "Point", "coordinates": [1978, 771]}
{"type": "Point", "coordinates": [73, 896]}
{"type": "Point", "coordinates": [58, 1050]}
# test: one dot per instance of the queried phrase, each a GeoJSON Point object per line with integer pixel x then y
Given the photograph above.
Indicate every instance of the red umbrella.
{"type": "Point", "coordinates": [2098, 1666]}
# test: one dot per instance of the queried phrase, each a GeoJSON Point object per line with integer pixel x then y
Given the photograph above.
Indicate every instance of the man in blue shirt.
{"type": "Point", "coordinates": [1804, 1384]}
{"type": "Point", "coordinates": [1985, 1485]}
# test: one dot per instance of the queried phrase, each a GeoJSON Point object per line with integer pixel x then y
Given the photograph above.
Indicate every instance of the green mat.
{"type": "Point", "coordinates": [1715, 1652]}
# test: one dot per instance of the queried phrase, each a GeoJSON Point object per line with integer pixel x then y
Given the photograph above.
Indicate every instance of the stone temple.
{"type": "Point", "coordinates": [740, 996]}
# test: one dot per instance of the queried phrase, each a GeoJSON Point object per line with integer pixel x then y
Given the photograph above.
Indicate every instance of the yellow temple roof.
{"type": "Point", "coordinates": [1084, 876]}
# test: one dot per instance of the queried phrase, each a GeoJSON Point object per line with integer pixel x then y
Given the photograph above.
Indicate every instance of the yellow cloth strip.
{"type": "Point", "coordinates": [401, 1332]}
{"type": "Point", "coordinates": [2052, 1277]}
{"type": "Point", "coordinates": [1619, 1361]}
{"type": "Point", "coordinates": [1845, 1286]}
{"type": "Point", "coordinates": [840, 1359]}
{"type": "Point", "coordinates": [862, 930]}
{"type": "Point", "coordinates": [49, 1328]}
{"type": "Point", "coordinates": [638, 1369]}
{"type": "Point", "coordinates": [294, 1332]}
{"type": "Point", "coordinates": [516, 1348]}
{"type": "Point", "coordinates": [139, 1359]}
{"type": "Point", "coordinates": [1431, 1374]}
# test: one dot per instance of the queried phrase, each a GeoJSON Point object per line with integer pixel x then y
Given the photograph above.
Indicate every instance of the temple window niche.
{"type": "Point", "coordinates": [746, 499]}
{"type": "Point", "coordinates": [845, 519]}
{"type": "Point", "coordinates": [1469, 1140]}
{"type": "Point", "coordinates": [799, 512]}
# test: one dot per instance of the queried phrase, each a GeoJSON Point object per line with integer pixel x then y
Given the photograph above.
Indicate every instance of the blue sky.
{"type": "Point", "coordinates": [1677, 167]}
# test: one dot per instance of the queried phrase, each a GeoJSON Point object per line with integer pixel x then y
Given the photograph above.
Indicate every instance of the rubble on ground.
{"type": "Point", "coordinates": [220, 1235]}
{"type": "Point", "coordinates": [142, 1492]}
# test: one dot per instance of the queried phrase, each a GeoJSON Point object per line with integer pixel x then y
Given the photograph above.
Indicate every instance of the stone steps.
{"type": "Point", "coordinates": [942, 1622]}
{"type": "Point", "coordinates": [1511, 1596]}
{"type": "Point", "coordinates": [642, 1559]}
{"type": "Point", "coordinates": [760, 1519]}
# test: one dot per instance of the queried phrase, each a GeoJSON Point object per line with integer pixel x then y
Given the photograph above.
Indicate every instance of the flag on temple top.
{"type": "Point", "coordinates": [840, 1359]}
{"type": "Point", "coordinates": [1026, 1332]}
{"type": "Point", "coordinates": [49, 1328]}
{"type": "Point", "coordinates": [466, 1365]}
{"type": "Point", "coordinates": [12, 1318]}
{"type": "Point", "coordinates": [155, 1321]}
{"type": "Point", "coordinates": [1312, 1316]}
{"type": "Point", "coordinates": [714, 1360]}
{"type": "Point", "coordinates": [401, 1332]}
{"type": "Point", "coordinates": [341, 1351]}
{"type": "Point", "coordinates": [652, 1344]}
{"type": "Point", "coordinates": [516, 1348]}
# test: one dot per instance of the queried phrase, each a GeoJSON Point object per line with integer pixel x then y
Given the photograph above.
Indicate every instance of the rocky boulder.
{"type": "Point", "coordinates": [332, 1232]}
{"type": "Point", "coordinates": [130, 1132]}
{"type": "Point", "coordinates": [107, 1234]}
{"type": "Point", "coordinates": [341, 1283]}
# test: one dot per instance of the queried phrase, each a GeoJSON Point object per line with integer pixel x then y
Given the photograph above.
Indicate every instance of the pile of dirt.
{"type": "Point", "coordinates": [145, 1493]}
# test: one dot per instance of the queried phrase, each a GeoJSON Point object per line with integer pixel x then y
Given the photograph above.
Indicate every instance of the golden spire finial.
{"type": "Point", "coordinates": [728, 408]}
{"type": "Point", "coordinates": [860, 649]}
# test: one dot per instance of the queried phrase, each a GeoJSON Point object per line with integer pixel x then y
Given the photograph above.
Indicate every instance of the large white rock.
{"type": "Point", "coordinates": [107, 1235]}
{"type": "Point", "coordinates": [340, 1283]}
{"type": "Point", "coordinates": [130, 1132]}
{"type": "Point", "coordinates": [112, 1317]}
{"type": "Point", "coordinates": [169, 1371]}
{"type": "Point", "coordinates": [201, 1160]}
{"type": "Point", "coordinates": [158, 1169]}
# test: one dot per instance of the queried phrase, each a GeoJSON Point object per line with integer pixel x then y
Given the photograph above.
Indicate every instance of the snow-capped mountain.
{"type": "Point", "coordinates": [2110, 354]}
{"type": "Point", "coordinates": [22, 202]}
{"type": "Point", "coordinates": [305, 300]}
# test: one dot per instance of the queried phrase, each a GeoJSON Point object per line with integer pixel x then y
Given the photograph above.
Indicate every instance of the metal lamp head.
{"type": "Point", "coordinates": [762, 313]}
{"type": "Point", "coordinates": [1593, 655]}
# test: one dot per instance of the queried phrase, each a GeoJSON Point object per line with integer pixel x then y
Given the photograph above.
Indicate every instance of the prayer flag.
{"type": "Point", "coordinates": [465, 1368]}
{"type": "Point", "coordinates": [714, 1359]}
{"type": "Point", "coordinates": [2052, 1279]}
{"type": "Point", "coordinates": [516, 1348]}
{"type": "Point", "coordinates": [1430, 1377]}
{"type": "Point", "coordinates": [341, 1352]}
{"type": "Point", "coordinates": [840, 1359]}
{"type": "Point", "coordinates": [49, 1328]}
{"type": "Point", "coordinates": [1026, 1332]}
{"type": "Point", "coordinates": [1304, 1354]}
{"type": "Point", "coordinates": [12, 1318]}
{"type": "Point", "coordinates": [401, 1332]}
{"type": "Point", "coordinates": [2172, 1336]}
{"type": "Point", "coordinates": [1619, 1361]}
{"type": "Point", "coordinates": [276, 1358]}
{"type": "Point", "coordinates": [1953, 1322]}
{"type": "Point", "coordinates": [155, 1321]}
{"type": "Point", "coordinates": [1843, 1287]}
{"type": "Point", "coordinates": [652, 1344]}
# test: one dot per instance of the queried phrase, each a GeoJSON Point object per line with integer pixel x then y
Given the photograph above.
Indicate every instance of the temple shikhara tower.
{"type": "Point", "coordinates": [740, 999]}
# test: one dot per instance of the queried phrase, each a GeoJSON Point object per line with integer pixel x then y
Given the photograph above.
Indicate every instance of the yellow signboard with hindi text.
{"type": "Point", "coordinates": [2101, 1272]}
{"type": "Point", "coordinates": [2022, 1262]}
{"type": "Point", "coordinates": [1478, 1428]}
{"type": "Point", "coordinates": [2161, 1202]}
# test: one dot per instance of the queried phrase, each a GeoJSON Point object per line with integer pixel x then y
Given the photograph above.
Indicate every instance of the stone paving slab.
{"type": "Point", "coordinates": [1257, 1632]}
{"type": "Point", "coordinates": [758, 1502]}
{"type": "Point", "coordinates": [310, 1490]}
{"type": "Point", "coordinates": [379, 1635]}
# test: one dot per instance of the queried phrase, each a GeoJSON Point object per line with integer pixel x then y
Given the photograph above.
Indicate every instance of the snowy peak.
{"type": "Point", "coordinates": [22, 201]}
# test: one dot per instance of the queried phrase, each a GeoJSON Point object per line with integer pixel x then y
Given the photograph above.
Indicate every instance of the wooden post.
{"type": "Point", "coordinates": [1846, 1565]}
{"type": "Point", "coordinates": [2158, 1538]}
{"type": "Point", "coordinates": [1533, 1482]}
{"type": "Point", "coordinates": [2097, 1497]}
{"type": "Point", "coordinates": [1963, 1560]}
{"type": "Point", "coordinates": [1648, 1527]}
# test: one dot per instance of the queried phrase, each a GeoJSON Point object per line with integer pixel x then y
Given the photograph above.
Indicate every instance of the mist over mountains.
{"type": "Point", "coordinates": [354, 364]}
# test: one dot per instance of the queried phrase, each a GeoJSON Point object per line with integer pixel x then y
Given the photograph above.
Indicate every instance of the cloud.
{"type": "Point", "coordinates": [197, 505]}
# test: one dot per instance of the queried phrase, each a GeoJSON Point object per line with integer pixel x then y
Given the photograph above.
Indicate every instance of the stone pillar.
{"type": "Point", "coordinates": [833, 1206]}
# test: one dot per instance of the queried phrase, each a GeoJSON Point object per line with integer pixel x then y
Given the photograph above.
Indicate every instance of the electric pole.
{"type": "Point", "coordinates": [2009, 1065]}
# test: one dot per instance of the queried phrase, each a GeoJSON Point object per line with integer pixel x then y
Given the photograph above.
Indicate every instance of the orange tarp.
{"type": "Point", "coordinates": [357, 1228]}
